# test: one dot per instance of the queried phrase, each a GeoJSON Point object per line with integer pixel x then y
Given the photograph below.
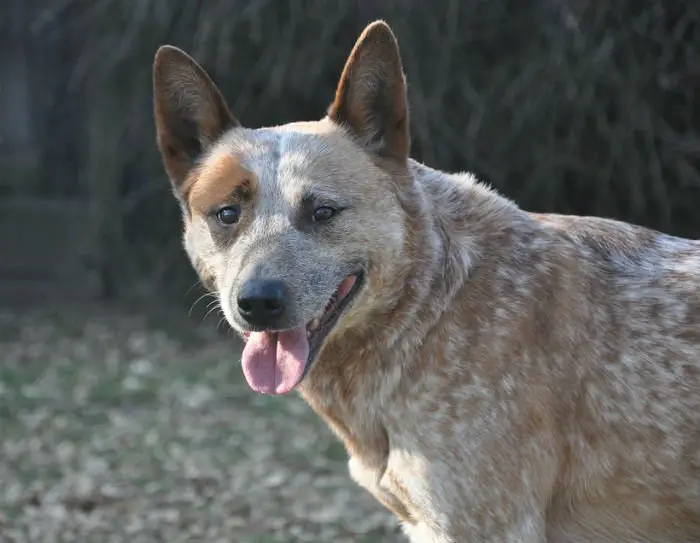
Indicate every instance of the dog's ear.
{"type": "Point", "coordinates": [371, 97]}
{"type": "Point", "coordinates": [190, 111]}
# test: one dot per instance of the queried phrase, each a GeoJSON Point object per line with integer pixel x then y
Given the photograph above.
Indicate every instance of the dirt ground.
{"type": "Point", "coordinates": [118, 427]}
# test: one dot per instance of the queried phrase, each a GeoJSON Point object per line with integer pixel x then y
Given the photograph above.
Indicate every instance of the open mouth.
{"type": "Point", "coordinates": [318, 329]}
{"type": "Point", "coordinates": [275, 362]}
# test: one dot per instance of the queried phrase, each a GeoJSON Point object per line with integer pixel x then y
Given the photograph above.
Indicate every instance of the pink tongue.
{"type": "Point", "coordinates": [274, 362]}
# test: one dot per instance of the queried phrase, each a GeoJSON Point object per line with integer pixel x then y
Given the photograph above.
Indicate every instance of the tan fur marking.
{"type": "Point", "coordinates": [220, 180]}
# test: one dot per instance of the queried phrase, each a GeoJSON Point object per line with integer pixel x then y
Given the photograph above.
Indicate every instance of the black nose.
{"type": "Point", "coordinates": [262, 302]}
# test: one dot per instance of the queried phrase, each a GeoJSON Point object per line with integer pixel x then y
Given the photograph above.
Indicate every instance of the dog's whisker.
{"type": "Point", "coordinates": [212, 310]}
{"type": "Point", "coordinates": [200, 299]}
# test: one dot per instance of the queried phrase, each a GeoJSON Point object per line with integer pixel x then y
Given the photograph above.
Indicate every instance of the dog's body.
{"type": "Point", "coordinates": [495, 375]}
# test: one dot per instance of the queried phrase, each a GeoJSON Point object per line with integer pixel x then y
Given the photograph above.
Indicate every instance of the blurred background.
{"type": "Point", "coordinates": [573, 106]}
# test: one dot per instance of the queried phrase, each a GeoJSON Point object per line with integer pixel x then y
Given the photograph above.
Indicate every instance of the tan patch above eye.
{"type": "Point", "coordinates": [220, 180]}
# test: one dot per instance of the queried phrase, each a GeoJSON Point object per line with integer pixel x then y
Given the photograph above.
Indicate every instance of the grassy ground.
{"type": "Point", "coordinates": [113, 430]}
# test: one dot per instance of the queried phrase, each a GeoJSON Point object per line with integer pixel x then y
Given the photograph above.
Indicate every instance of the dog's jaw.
{"type": "Point", "coordinates": [338, 305]}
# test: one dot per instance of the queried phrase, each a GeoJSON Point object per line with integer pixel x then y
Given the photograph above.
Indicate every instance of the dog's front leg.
{"type": "Point", "coordinates": [370, 480]}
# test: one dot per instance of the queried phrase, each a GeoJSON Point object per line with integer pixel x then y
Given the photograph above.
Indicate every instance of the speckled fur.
{"type": "Point", "coordinates": [503, 376]}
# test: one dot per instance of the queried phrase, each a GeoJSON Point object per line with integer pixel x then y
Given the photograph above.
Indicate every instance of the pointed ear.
{"type": "Point", "coordinates": [191, 114]}
{"type": "Point", "coordinates": [371, 97]}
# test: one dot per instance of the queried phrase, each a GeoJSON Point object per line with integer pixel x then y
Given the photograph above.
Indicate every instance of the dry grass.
{"type": "Point", "coordinates": [113, 430]}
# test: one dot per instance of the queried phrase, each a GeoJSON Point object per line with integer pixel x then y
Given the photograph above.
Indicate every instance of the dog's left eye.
{"type": "Point", "coordinates": [323, 213]}
{"type": "Point", "coordinates": [228, 215]}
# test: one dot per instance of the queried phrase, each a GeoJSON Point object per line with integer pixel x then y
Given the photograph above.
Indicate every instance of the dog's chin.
{"type": "Point", "coordinates": [277, 361]}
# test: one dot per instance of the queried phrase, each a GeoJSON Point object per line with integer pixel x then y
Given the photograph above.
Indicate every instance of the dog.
{"type": "Point", "coordinates": [495, 375]}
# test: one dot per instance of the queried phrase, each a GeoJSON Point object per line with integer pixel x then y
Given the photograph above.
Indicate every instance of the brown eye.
{"type": "Point", "coordinates": [228, 215]}
{"type": "Point", "coordinates": [323, 213]}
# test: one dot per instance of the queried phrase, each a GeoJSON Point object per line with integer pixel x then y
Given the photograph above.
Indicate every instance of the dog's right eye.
{"type": "Point", "coordinates": [323, 213]}
{"type": "Point", "coordinates": [228, 215]}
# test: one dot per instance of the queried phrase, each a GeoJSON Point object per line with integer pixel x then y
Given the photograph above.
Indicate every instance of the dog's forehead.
{"type": "Point", "coordinates": [289, 160]}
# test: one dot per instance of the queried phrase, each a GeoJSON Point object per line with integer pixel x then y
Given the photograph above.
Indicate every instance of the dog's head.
{"type": "Point", "coordinates": [294, 227]}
